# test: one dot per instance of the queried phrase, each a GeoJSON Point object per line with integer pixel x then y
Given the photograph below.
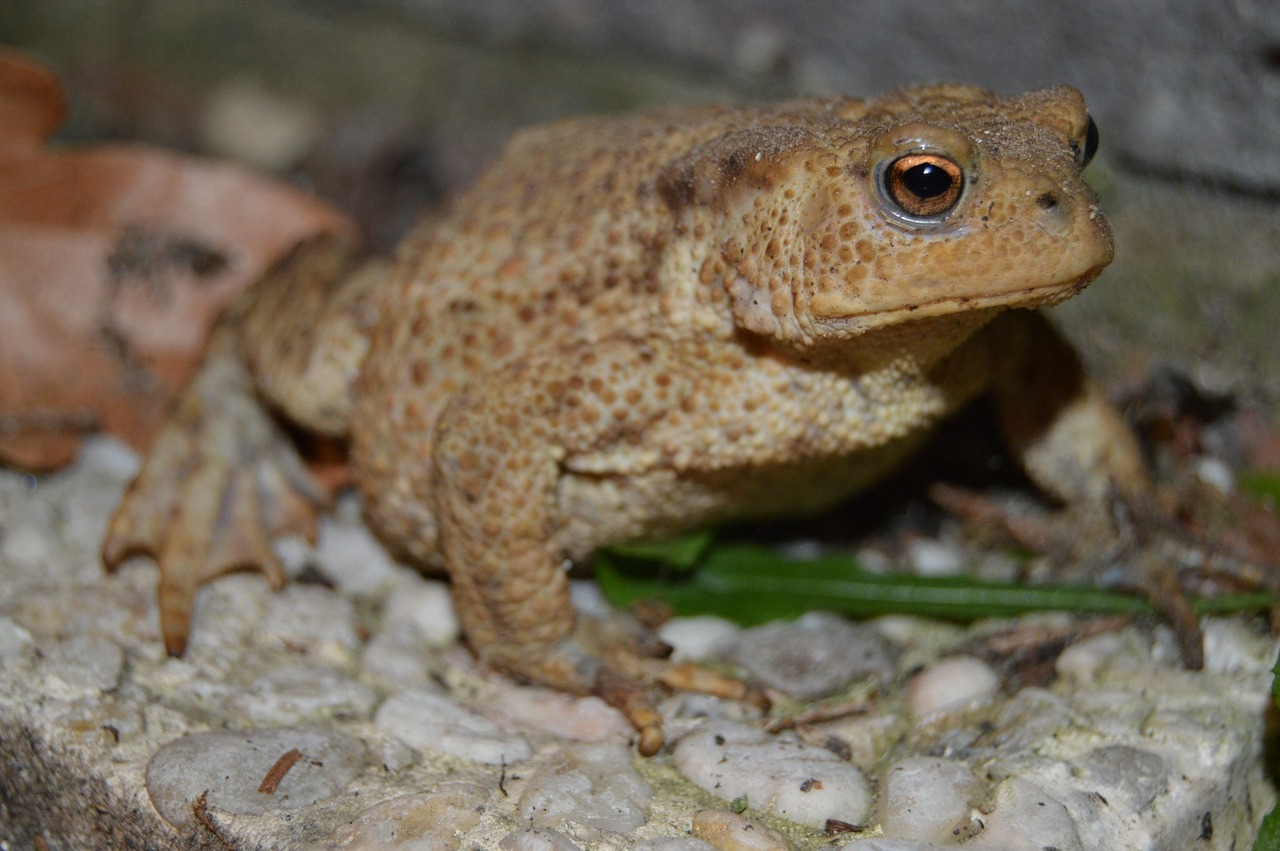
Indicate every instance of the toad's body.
{"type": "Point", "coordinates": [634, 326]}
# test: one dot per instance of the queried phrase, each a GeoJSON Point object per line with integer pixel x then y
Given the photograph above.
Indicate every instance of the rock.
{"type": "Point", "coordinates": [400, 655]}
{"type": "Point", "coordinates": [863, 739]}
{"type": "Point", "coordinates": [1081, 662]}
{"type": "Point", "coordinates": [302, 693]}
{"type": "Point", "coordinates": [1027, 818]}
{"type": "Point", "coordinates": [880, 844]}
{"type": "Point", "coordinates": [423, 604]}
{"type": "Point", "coordinates": [348, 553]}
{"type": "Point", "coordinates": [780, 774]}
{"type": "Point", "coordinates": [673, 843]}
{"type": "Point", "coordinates": [14, 642]}
{"type": "Point", "coordinates": [427, 820]}
{"type": "Point", "coordinates": [82, 665]}
{"type": "Point", "coordinates": [593, 787]}
{"type": "Point", "coordinates": [536, 840]}
{"type": "Point", "coordinates": [433, 722]}
{"type": "Point", "coordinates": [1127, 777]}
{"type": "Point", "coordinates": [927, 799]}
{"type": "Point", "coordinates": [229, 615]}
{"type": "Point", "coordinates": [818, 655]}
{"type": "Point", "coordinates": [88, 698]}
{"type": "Point", "coordinates": [314, 619]}
{"type": "Point", "coordinates": [585, 719]}
{"type": "Point", "coordinates": [929, 557]}
{"type": "Point", "coordinates": [231, 766]}
{"type": "Point", "coordinates": [952, 683]}
{"type": "Point", "coordinates": [696, 639]}
{"type": "Point", "coordinates": [732, 832]}
{"type": "Point", "coordinates": [245, 121]}
{"type": "Point", "coordinates": [1230, 647]}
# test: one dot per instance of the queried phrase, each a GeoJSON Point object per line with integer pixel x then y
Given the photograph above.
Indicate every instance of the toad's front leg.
{"type": "Point", "coordinates": [499, 452]}
{"type": "Point", "coordinates": [1075, 445]}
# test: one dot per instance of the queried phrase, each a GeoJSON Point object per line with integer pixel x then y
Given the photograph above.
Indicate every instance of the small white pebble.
{"type": "Point", "coordinates": [1131, 777]}
{"type": "Point", "coordinates": [300, 693]}
{"type": "Point", "coordinates": [1026, 816]}
{"type": "Point", "coordinates": [928, 557]}
{"type": "Point", "coordinates": [107, 454]}
{"type": "Point", "coordinates": [878, 843]}
{"type": "Point", "coordinates": [27, 545]}
{"type": "Point", "coordinates": [229, 767]}
{"type": "Point", "coordinates": [398, 654]}
{"type": "Point", "coordinates": [348, 554]}
{"type": "Point", "coordinates": [815, 656]}
{"type": "Point", "coordinates": [423, 604]}
{"type": "Point", "coordinates": [728, 831]}
{"type": "Point", "coordinates": [228, 615]}
{"type": "Point", "coordinates": [589, 599]}
{"type": "Point", "coordinates": [585, 719]}
{"type": "Point", "coordinates": [907, 630]}
{"type": "Point", "coordinates": [1229, 648]}
{"type": "Point", "coordinates": [391, 753]}
{"type": "Point", "coordinates": [14, 640]}
{"type": "Point", "coordinates": [244, 120]}
{"type": "Point", "coordinates": [952, 683]}
{"type": "Point", "coordinates": [1165, 650]}
{"type": "Point", "coordinates": [595, 788]}
{"type": "Point", "coordinates": [1081, 662]}
{"type": "Point", "coordinates": [82, 666]}
{"type": "Point", "coordinates": [433, 722]}
{"type": "Point", "coordinates": [866, 736]}
{"type": "Point", "coordinates": [428, 819]}
{"type": "Point", "coordinates": [1215, 473]}
{"type": "Point", "coordinates": [311, 617]}
{"type": "Point", "coordinates": [536, 840]}
{"type": "Point", "coordinates": [684, 712]}
{"type": "Point", "coordinates": [780, 774]}
{"type": "Point", "coordinates": [295, 553]}
{"type": "Point", "coordinates": [673, 843]}
{"type": "Point", "coordinates": [696, 639]}
{"type": "Point", "coordinates": [927, 798]}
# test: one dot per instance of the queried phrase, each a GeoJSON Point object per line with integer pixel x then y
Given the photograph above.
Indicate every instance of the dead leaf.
{"type": "Point", "coordinates": [114, 263]}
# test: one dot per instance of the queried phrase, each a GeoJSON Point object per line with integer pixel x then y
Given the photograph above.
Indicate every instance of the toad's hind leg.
{"type": "Point", "coordinates": [223, 478]}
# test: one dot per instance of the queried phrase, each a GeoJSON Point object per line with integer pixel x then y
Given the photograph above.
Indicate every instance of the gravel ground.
{"type": "Point", "coordinates": [345, 713]}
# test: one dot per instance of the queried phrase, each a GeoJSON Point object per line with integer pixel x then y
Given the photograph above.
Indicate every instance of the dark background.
{"type": "Point", "coordinates": [385, 105]}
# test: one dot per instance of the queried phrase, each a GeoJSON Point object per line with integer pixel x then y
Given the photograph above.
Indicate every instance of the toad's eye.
{"type": "Point", "coordinates": [923, 185]}
{"type": "Point", "coordinates": [1085, 151]}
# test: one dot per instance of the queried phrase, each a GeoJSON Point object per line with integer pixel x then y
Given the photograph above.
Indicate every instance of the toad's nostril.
{"type": "Point", "coordinates": [1047, 201]}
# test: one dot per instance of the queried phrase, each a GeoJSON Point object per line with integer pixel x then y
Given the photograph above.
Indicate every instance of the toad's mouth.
{"type": "Point", "coordinates": [1041, 295]}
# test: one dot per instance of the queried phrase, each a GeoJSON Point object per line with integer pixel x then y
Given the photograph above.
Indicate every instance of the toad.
{"type": "Point", "coordinates": [634, 326]}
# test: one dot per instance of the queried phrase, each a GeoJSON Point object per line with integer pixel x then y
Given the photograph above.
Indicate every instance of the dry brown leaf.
{"type": "Point", "coordinates": [114, 263]}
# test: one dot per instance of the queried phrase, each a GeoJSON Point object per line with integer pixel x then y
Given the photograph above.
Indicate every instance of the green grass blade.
{"type": "Point", "coordinates": [751, 584]}
{"type": "Point", "coordinates": [1264, 484]}
{"type": "Point", "coordinates": [681, 553]}
{"type": "Point", "coordinates": [1268, 838]}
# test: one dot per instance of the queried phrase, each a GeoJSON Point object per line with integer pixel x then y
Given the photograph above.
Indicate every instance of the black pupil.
{"type": "Point", "coordinates": [926, 181]}
{"type": "Point", "coordinates": [1090, 142]}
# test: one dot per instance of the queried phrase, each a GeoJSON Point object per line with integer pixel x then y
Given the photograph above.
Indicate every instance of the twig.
{"type": "Point", "coordinates": [200, 809]}
{"type": "Point", "coordinates": [278, 771]}
{"type": "Point", "coordinates": [818, 714]}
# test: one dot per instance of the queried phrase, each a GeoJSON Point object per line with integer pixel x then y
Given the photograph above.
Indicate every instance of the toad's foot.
{"type": "Point", "coordinates": [615, 660]}
{"type": "Point", "coordinates": [631, 695]}
{"type": "Point", "coordinates": [1136, 533]}
{"type": "Point", "coordinates": [221, 481]}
